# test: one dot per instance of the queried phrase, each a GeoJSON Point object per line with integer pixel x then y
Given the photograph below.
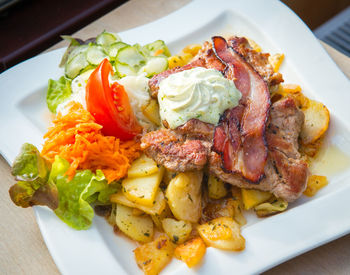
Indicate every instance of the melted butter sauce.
{"type": "Point", "coordinates": [330, 161]}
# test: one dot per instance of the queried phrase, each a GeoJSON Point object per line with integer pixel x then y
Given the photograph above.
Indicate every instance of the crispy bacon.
{"type": "Point", "coordinates": [239, 138]}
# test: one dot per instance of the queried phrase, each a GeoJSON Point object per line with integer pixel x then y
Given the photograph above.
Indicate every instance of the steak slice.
{"type": "Point", "coordinates": [196, 129]}
{"type": "Point", "coordinates": [183, 149]}
{"type": "Point", "coordinates": [285, 172]}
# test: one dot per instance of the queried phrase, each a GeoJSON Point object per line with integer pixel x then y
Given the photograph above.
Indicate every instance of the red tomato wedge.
{"type": "Point", "coordinates": [110, 105]}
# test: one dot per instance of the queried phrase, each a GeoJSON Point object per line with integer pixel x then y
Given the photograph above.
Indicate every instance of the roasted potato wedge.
{"type": "Point", "coordinates": [276, 61]}
{"type": "Point", "coordinates": [223, 233]}
{"type": "Point", "coordinates": [157, 207]}
{"type": "Point", "coordinates": [184, 196]}
{"type": "Point", "coordinates": [152, 257]}
{"type": "Point", "coordinates": [272, 207]}
{"type": "Point", "coordinates": [179, 60]}
{"type": "Point", "coordinates": [252, 197]}
{"type": "Point", "coordinates": [238, 205]}
{"type": "Point", "coordinates": [151, 111]}
{"type": "Point", "coordinates": [311, 149]}
{"type": "Point", "coordinates": [293, 91]}
{"type": "Point", "coordinates": [177, 231]}
{"type": "Point", "coordinates": [143, 166]}
{"type": "Point", "coordinates": [138, 228]}
{"type": "Point", "coordinates": [192, 49]}
{"type": "Point", "coordinates": [314, 184]}
{"type": "Point", "coordinates": [238, 216]}
{"type": "Point", "coordinates": [255, 46]}
{"type": "Point", "coordinates": [216, 188]}
{"type": "Point", "coordinates": [143, 190]}
{"type": "Point", "coordinates": [111, 218]}
{"type": "Point", "coordinates": [157, 218]}
{"type": "Point", "coordinates": [316, 122]}
{"type": "Point", "coordinates": [218, 208]}
{"type": "Point", "coordinates": [168, 176]}
{"type": "Point", "coordinates": [191, 252]}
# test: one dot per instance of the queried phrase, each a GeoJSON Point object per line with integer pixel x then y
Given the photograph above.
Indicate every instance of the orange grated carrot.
{"type": "Point", "coordinates": [77, 138]}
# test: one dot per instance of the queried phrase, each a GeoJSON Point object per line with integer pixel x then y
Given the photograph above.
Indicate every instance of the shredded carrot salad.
{"type": "Point", "coordinates": [77, 138]}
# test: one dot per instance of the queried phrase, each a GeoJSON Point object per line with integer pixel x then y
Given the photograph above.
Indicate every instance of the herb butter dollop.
{"type": "Point", "coordinates": [198, 93]}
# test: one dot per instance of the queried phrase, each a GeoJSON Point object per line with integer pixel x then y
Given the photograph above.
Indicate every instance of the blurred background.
{"type": "Point", "coordinates": [28, 27]}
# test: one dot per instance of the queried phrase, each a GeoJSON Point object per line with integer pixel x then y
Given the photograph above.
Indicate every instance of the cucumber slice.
{"type": "Point", "coordinates": [77, 50]}
{"type": "Point", "coordinates": [75, 65]}
{"type": "Point", "coordinates": [155, 65]}
{"type": "Point", "coordinates": [157, 47]}
{"type": "Point", "coordinates": [107, 38]}
{"type": "Point", "coordinates": [95, 54]}
{"type": "Point", "coordinates": [141, 49]}
{"type": "Point", "coordinates": [130, 56]}
{"type": "Point", "coordinates": [124, 70]}
{"type": "Point", "coordinates": [115, 47]}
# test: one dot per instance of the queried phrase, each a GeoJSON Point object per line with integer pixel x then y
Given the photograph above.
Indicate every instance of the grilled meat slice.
{"type": "Point", "coordinates": [174, 151]}
{"type": "Point", "coordinates": [259, 61]}
{"type": "Point", "coordinates": [196, 129]}
{"type": "Point", "coordinates": [285, 172]}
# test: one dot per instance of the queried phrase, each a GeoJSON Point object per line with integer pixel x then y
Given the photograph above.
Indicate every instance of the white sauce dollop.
{"type": "Point", "coordinates": [198, 93]}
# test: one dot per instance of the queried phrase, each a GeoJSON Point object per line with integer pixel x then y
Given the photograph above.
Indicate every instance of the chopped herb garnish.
{"type": "Point", "coordinates": [176, 238]}
{"type": "Point", "coordinates": [189, 197]}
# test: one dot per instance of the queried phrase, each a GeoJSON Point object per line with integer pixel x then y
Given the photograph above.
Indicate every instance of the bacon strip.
{"type": "Point", "coordinates": [244, 149]}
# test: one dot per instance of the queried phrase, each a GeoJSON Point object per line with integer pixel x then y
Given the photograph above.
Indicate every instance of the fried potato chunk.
{"type": "Point", "coordinates": [252, 198]}
{"type": "Point", "coordinates": [271, 207]}
{"type": "Point", "coordinates": [151, 111]}
{"type": "Point", "coordinates": [276, 61]}
{"type": "Point", "coordinates": [138, 228]}
{"type": "Point", "coordinates": [143, 166]}
{"type": "Point", "coordinates": [156, 208]}
{"type": "Point", "coordinates": [223, 233]}
{"type": "Point", "coordinates": [184, 196]}
{"type": "Point", "coordinates": [314, 184]}
{"type": "Point", "coordinates": [142, 190]}
{"type": "Point", "coordinates": [191, 252]}
{"type": "Point", "coordinates": [316, 122]}
{"type": "Point", "coordinates": [154, 256]}
{"type": "Point", "coordinates": [216, 188]}
{"type": "Point", "coordinates": [177, 231]}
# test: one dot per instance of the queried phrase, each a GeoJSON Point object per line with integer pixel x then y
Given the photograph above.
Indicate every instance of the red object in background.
{"type": "Point", "coordinates": [32, 26]}
{"type": "Point", "coordinates": [110, 106]}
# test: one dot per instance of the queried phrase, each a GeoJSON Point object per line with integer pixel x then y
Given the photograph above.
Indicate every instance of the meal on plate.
{"type": "Point", "coordinates": [172, 149]}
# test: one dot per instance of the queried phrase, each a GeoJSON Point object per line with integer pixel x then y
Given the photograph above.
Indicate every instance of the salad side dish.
{"type": "Point", "coordinates": [172, 149]}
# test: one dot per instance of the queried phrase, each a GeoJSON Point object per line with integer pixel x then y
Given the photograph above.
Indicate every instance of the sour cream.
{"type": "Point", "coordinates": [198, 93]}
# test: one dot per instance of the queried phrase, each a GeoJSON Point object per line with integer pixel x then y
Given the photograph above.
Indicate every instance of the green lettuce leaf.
{"type": "Point", "coordinates": [71, 200]}
{"type": "Point", "coordinates": [32, 172]}
{"type": "Point", "coordinates": [75, 196]}
{"type": "Point", "coordinates": [57, 92]}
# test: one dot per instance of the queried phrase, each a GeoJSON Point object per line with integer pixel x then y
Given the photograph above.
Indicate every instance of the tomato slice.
{"type": "Point", "coordinates": [110, 105]}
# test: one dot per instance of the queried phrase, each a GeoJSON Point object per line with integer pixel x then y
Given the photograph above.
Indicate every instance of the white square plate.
{"type": "Point", "coordinates": [308, 223]}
